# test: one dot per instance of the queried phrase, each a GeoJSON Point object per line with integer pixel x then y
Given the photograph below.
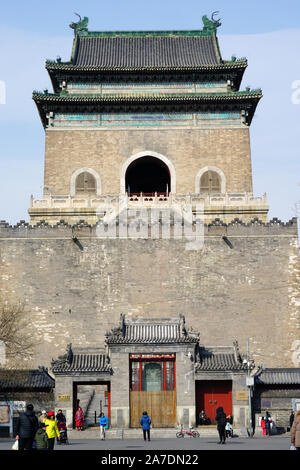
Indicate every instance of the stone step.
{"type": "Point", "coordinates": [156, 433]}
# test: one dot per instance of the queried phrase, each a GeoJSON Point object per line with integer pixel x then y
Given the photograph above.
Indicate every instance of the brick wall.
{"type": "Point", "coordinates": [105, 151]}
{"type": "Point", "coordinates": [249, 290]}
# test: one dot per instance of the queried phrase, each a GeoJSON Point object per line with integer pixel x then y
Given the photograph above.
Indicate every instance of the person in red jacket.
{"type": "Point", "coordinates": [263, 425]}
{"type": "Point", "coordinates": [79, 417]}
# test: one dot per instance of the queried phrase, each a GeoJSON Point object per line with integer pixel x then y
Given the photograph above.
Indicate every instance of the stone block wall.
{"type": "Point", "coordinates": [280, 403]}
{"type": "Point", "coordinates": [248, 288]}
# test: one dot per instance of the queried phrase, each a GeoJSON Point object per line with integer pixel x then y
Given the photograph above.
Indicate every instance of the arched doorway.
{"type": "Point", "coordinates": [148, 175]}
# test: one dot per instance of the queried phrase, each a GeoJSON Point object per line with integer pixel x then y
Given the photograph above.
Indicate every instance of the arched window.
{"type": "Point", "coordinates": [85, 183]}
{"type": "Point", "coordinates": [210, 182]}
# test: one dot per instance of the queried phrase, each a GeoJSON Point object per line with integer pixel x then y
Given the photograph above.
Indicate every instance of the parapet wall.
{"type": "Point", "coordinates": [63, 229]}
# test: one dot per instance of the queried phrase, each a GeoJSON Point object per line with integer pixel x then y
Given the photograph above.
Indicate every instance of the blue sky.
{"type": "Point", "coordinates": [266, 32]}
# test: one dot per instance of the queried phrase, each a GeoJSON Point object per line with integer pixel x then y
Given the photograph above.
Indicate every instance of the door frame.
{"type": "Point", "coordinates": [91, 382]}
{"type": "Point", "coordinates": [148, 358]}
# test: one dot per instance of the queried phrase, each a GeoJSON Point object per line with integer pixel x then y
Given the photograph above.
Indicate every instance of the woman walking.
{"type": "Point", "coordinates": [145, 422]}
{"type": "Point", "coordinates": [79, 417]}
{"type": "Point", "coordinates": [51, 430]}
{"type": "Point", "coordinates": [103, 423]}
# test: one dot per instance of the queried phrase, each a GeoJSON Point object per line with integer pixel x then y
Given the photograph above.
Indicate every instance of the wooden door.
{"type": "Point", "coordinates": [212, 394]}
{"type": "Point", "coordinates": [160, 406]}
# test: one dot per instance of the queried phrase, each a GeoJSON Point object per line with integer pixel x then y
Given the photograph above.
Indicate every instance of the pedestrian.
{"type": "Point", "coordinates": [60, 417]}
{"type": "Point", "coordinates": [221, 420]}
{"type": "Point", "coordinates": [145, 422]}
{"type": "Point", "coordinates": [228, 426]}
{"type": "Point", "coordinates": [292, 417]}
{"type": "Point", "coordinates": [27, 425]}
{"type": "Point", "coordinates": [61, 421]}
{"type": "Point", "coordinates": [268, 423]}
{"type": "Point", "coordinates": [295, 431]}
{"type": "Point", "coordinates": [79, 417]}
{"type": "Point", "coordinates": [51, 430]}
{"type": "Point", "coordinates": [263, 425]}
{"type": "Point", "coordinates": [41, 437]}
{"type": "Point", "coordinates": [103, 423]}
{"type": "Point", "coordinates": [43, 416]}
{"type": "Point", "coordinates": [203, 418]}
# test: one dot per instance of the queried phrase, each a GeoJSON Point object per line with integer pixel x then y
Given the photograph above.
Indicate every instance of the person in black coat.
{"type": "Point", "coordinates": [221, 423]}
{"type": "Point", "coordinates": [292, 417]}
{"type": "Point", "coordinates": [60, 417]}
{"type": "Point", "coordinates": [27, 426]}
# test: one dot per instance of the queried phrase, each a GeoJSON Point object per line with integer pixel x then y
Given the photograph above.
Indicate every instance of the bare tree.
{"type": "Point", "coordinates": [14, 334]}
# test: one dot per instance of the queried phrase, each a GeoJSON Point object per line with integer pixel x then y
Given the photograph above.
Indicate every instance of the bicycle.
{"type": "Point", "coordinates": [190, 433]}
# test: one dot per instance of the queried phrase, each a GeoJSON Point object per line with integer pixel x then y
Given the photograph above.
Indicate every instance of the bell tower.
{"type": "Point", "coordinates": [157, 116]}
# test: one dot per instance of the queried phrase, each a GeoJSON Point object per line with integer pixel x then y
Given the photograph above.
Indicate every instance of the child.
{"type": "Point", "coordinates": [228, 429]}
{"type": "Point", "coordinates": [41, 437]}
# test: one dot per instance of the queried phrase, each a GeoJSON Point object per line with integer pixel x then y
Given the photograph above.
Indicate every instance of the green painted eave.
{"type": "Point", "coordinates": [68, 66]}
{"type": "Point", "coordinates": [80, 97]}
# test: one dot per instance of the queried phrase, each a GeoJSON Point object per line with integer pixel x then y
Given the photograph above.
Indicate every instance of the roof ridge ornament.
{"type": "Point", "coordinates": [210, 26]}
{"type": "Point", "coordinates": [81, 27]}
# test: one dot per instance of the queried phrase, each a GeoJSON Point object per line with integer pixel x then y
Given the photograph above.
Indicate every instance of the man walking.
{"type": "Point", "coordinates": [221, 420]}
{"type": "Point", "coordinates": [27, 426]}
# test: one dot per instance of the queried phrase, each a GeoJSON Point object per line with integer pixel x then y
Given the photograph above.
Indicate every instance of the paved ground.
{"type": "Point", "coordinates": [273, 443]}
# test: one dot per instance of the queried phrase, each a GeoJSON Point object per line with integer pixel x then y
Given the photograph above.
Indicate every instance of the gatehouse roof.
{"type": "Point", "coordinates": [155, 331]}
{"type": "Point", "coordinates": [81, 361]}
{"type": "Point", "coordinates": [220, 359]}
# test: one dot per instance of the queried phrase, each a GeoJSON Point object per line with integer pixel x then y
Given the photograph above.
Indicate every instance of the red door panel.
{"type": "Point", "coordinates": [212, 394]}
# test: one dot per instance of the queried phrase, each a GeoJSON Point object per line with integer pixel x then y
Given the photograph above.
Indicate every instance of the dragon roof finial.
{"type": "Point", "coordinates": [212, 24]}
{"type": "Point", "coordinates": [81, 26]}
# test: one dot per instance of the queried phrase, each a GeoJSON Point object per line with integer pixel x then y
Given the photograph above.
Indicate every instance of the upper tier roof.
{"type": "Point", "coordinates": [146, 48]}
{"type": "Point", "coordinates": [153, 50]}
{"type": "Point", "coordinates": [152, 55]}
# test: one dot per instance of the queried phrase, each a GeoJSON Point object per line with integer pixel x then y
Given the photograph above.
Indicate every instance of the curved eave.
{"type": "Point", "coordinates": [70, 371]}
{"type": "Point", "coordinates": [68, 66]}
{"type": "Point", "coordinates": [74, 103]}
{"type": "Point", "coordinates": [80, 98]}
{"type": "Point", "coordinates": [147, 343]}
{"type": "Point", "coordinates": [55, 70]}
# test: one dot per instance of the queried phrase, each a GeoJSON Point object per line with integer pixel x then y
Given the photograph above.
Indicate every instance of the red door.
{"type": "Point", "coordinates": [212, 394]}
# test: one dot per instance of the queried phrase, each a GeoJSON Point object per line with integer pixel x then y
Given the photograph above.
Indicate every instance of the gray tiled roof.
{"type": "Point", "coordinates": [148, 51]}
{"type": "Point", "coordinates": [31, 378]}
{"type": "Point", "coordinates": [278, 376]}
{"type": "Point", "coordinates": [220, 359]}
{"type": "Point", "coordinates": [151, 331]}
{"type": "Point", "coordinates": [81, 362]}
